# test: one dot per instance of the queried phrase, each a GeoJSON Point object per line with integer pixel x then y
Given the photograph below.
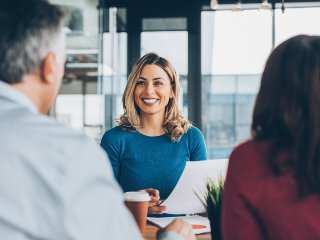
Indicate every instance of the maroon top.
{"type": "Point", "coordinates": [259, 205]}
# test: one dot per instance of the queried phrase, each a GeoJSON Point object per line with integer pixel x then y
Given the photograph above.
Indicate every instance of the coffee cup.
{"type": "Point", "coordinates": [137, 203]}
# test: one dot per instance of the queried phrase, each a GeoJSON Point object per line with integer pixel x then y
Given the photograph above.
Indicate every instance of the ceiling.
{"type": "Point", "coordinates": [125, 3]}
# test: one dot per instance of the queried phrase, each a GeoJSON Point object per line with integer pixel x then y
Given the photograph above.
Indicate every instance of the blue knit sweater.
{"type": "Point", "coordinates": [140, 161]}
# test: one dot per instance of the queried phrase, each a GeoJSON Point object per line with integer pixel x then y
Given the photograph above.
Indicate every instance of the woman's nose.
{"type": "Point", "coordinates": [150, 88]}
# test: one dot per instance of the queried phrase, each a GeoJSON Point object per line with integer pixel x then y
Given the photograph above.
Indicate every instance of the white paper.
{"type": "Point", "coordinates": [188, 197]}
{"type": "Point", "coordinates": [195, 221]}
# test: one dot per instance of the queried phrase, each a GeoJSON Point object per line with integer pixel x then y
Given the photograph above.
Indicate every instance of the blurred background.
{"type": "Point", "coordinates": [218, 48]}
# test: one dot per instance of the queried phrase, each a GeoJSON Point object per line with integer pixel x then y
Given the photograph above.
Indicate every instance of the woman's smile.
{"type": "Point", "coordinates": [149, 101]}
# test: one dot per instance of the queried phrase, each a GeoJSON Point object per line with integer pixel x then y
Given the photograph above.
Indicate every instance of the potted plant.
{"type": "Point", "coordinates": [214, 191]}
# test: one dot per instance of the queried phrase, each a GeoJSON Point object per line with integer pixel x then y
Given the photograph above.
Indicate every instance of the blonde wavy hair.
{"type": "Point", "coordinates": [174, 122]}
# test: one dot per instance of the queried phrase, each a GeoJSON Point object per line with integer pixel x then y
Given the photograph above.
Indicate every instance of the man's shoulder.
{"type": "Point", "coordinates": [63, 136]}
{"type": "Point", "coordinates": [40, 130]}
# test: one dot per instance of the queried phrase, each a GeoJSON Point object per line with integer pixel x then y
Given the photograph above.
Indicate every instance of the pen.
{"type": "Point", "coordinates": [160, 202]}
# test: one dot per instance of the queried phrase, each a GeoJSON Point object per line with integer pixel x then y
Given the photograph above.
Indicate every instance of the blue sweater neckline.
{"type": "Point", "coordinates": [146, 136]}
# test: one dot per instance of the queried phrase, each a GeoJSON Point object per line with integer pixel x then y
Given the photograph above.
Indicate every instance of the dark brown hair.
{"type": "Point", "coordinates": [287, 109]}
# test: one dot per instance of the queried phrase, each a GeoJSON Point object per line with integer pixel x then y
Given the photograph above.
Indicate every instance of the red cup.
{"type": "Point", "coordinates": [137, 203]}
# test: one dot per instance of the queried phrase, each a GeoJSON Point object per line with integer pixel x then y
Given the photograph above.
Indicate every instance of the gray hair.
{"type": "Point", "coordinates": [29, 30]}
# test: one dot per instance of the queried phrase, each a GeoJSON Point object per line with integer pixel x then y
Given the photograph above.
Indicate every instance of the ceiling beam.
{"type": "Point", "coordinates": [137, 3]}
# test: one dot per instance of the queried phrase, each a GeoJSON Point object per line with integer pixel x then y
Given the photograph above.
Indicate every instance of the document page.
{"type": "Point", "coordinates": [188, 197]}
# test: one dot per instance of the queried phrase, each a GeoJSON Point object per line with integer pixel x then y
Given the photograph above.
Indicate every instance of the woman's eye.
{"type": "Point", "coordinates": [141, 83]}
{"type": "Point", "coordinates": [157, 83]}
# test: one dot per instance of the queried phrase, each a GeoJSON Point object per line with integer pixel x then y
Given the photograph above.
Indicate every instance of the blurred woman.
{"type": "Point", "coordinates": [272, 189]}
{"type": "Point", "coordinates": [153, 141]}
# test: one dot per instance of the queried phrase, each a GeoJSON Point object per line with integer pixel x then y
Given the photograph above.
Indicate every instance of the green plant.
{"type": "Point", "coordinates": [214, 192]}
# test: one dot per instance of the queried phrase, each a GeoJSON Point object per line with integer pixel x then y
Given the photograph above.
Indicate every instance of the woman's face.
{"type": "Point", "coordinates": [152, 91]}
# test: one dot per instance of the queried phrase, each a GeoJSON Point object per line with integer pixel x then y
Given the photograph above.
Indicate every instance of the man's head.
{"type": "Point", "coordinates": [32, 48]}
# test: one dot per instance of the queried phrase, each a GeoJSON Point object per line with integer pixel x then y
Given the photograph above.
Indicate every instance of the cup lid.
{"type": "Point", "coordinates": [136, 196]}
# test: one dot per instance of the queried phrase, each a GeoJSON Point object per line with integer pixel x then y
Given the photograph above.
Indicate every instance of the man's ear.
{"type": "Point", "coordinates": [49, 68]}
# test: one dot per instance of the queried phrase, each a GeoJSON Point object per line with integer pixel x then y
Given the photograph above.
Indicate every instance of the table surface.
{"type": "Point", "coordinates": [150, 233]}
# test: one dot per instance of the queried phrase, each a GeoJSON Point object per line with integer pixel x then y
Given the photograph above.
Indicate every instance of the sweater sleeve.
{"type": "Point", "coordinates": [239, 217]}
{"type": "Point", "coordinates": [197, 146]}
{"type": "Point", "coordinates": [110, 143]}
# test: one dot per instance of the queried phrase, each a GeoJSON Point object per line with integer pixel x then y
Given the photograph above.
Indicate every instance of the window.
{"type": "Point", "coordinates": [234, 48]}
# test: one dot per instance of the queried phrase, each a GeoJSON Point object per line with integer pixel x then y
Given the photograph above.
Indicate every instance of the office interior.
{"type": "Point", "coordinates": [219, 49]}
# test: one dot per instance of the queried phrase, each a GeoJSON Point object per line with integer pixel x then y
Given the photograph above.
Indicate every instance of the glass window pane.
{"type": "Point", "coordinates": [171, 45]}
{"type": "Point", "coordinates": [114, 71]}
{"type": "Point", "coordinates": [69, 110]}
{"type": "Point", "coordinates": [235, 46]}
{"type": "Point", "coordinates": [73, 105]}
{"type": "Point", "coordinates": [174, 47]}
{"type": "Point", "coordinates": [290, 22]}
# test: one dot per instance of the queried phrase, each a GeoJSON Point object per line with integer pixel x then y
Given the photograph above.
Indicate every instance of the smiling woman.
{"type": "Point", "coordinates": [150, 147]}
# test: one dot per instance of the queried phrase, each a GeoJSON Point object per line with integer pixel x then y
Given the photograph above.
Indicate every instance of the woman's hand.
{"type": "Point", "coordinates": [154, 207]}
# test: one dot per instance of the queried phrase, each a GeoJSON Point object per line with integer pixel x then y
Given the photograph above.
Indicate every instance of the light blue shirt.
{"type": "Point", "coordinates": [54, 183]}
